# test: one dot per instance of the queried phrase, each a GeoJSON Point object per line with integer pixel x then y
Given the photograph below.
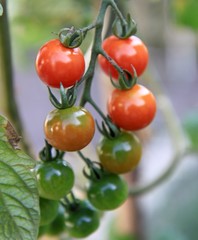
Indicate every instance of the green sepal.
{"type": "Point", "coordinates": [46, 153]}
{"type": "Point", "coordinates": [108, 129]}
{"type": "Point", "coordinates": [71, 37]}
{"type": "Point", "coordinates": [68, 97]}
{"type": "Point", "coordinates": [126, 30]}
{"type": "Point", "coordinates": [125, 81]}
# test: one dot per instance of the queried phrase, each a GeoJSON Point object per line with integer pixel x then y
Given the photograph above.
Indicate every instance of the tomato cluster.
{"type": "Point", "coordinates": [71, 128]}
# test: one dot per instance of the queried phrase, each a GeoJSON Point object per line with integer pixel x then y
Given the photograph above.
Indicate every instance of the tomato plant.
{"type": "Point", "coordinates": [57, 226]}
{"type": "Point", "coordinates": [120, 154]}
{"type": "Point", "coordinates": [126, 53]}
{"type": "Point", "coordinates": [55, 179]}
{"type": "Point", "coordinates": [57, 64]}
{"type": "Point", "coordinates": [107, 192]}
{"type": "Point", "coordinates": [132, 109]}
{"type": "Point", "coordinates": [81, 219]}
{"type": "Point", "coordinates": [48, 211]}
{"type": "Point", "coordinates": [70, 129]}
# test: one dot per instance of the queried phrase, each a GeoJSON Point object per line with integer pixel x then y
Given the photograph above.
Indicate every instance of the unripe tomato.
{"type": "Point", "coordinates": [57, 64]}
{"type": "Point", "coordinates": [82, 220]}
{"type": "Point", "coordinates": [120, 154]}
{"type": "Point", "coordinates": [132, 109]}
{"type": "Point", "coordinates": [48, 211]}
{"type": "Point", "coordinates": [126, 53]}
{"type": "Point", "coordinates": [55, 179]}
{"type": "Point", "coordinates": [108, 192]}
{"type": "Point", "coordinates": [70, 129]}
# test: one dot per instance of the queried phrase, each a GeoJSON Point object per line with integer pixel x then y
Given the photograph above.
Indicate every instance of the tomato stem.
{"type": "Point", "coordinates": [8, 98]}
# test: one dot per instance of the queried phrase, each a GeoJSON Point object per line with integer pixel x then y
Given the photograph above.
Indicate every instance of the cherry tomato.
{"type": "Point", "coordinates": [70, 129]}
{"type": "Point", "coordinates": [108, 192]}
{"type": "Point", "coordinates": [57, 64]}
{"type": "Point", "coordinates": [48, 211]}
{"type": "Point", "coordinates": [81, 220]}
{"type": "Point", "coordinates": [121, 154]}
{"type": "Point", "coordinates": [55, 179]}
{"type": "Point", "coordinates": [56, 227]}
{"type": "Point", "coordinates": [126, 53]}
{"type": "Point", "coordinates": [132, 109]}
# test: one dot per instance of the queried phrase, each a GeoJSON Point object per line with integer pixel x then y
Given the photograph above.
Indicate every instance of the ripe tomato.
{"type": "Point", "coordinates": [125, 52]}
{"type": "Point", "coordinates": [82, 220]}
{"type": "Point", "coordinates": [132, 109]}
{"type": "Point", "coordinates": [120, 154]}
{"type": "Point", "coordinates": [48, 211]}
{"type": "Point", "coordinates": [57, 64]}
{"type": "Point", "coordinates": [55, 179]}
{"type": "Point", "coordinates": [70, 129]}
{"type": "Point", "coordinates": [107, 193]}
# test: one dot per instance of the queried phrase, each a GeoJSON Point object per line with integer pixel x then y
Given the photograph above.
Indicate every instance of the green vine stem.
{"type": "Point", "coordinates": [8, 98]}
{"type": "Point", "coordinates": [96, 50]}
{"type": "Point", "coordinates": [180, 142]}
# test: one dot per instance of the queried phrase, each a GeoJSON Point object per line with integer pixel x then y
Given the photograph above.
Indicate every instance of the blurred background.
{"type": "Point", "coordinates": [169, 29]}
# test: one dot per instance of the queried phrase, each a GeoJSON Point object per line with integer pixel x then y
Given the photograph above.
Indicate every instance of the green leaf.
{"type": "Point", "coordinates": [19, 201]}
{"type": "Point", "coordinates": [185, 13]}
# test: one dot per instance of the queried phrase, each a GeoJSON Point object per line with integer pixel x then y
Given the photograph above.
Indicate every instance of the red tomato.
{"type": "Point", "coordinates": [57, 64]}
{"type": "Point", "coordinates": [132, 109]}
{"type": "Point", "coordinates": [69, 129]}
{"type": "Point", "coordinates": [125, 52]}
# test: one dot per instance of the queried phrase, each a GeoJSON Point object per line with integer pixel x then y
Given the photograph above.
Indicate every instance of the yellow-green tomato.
{"type": "Point", "coordinates": [69, 129]}
{"type": "Point", "coordinates": [120, 154]}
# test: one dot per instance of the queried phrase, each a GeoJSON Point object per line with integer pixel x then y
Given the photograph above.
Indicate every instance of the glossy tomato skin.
{"type": "Point", "coordinates": [48, 211]}
{"type": "Point", "coordinates": [55, 179]}
{"type": "Point", "coordinates": [125, 52]}
{"type": "Point", "coordinates": [55, 227]}
{"type": "Point", "coordinates": [132, 109]}
{"type": "Point", "coordinates": [82, 220]}
{"type": "Point", "coordinates": [121, 154]}
{"type": "Point", "coordinates": [107, 193]}
{"type": "Point", "coordinates": [57, 64]}
{"type": "Point", "coordinates": [70, 129]}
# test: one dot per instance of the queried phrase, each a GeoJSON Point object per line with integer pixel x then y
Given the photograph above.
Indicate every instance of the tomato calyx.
{"type": "Point", "coordinates": [67, 97]}
{"type": "Point", "coordinates": [46, 153]}
{"type": "Point", "coordinates": [93, 170]}
{"type": "Point", "coordinates": [71, 37]}
{"type": "Point", "coordinates": [108, 128]}
{"type": "Point", "coordinates": [70, 202]}
{"type": "Point", "coordinates": [124, 29]}
{"type": "Point", "coordinates": [125, 82]}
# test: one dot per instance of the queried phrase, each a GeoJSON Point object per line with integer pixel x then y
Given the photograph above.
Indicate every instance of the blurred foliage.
{"type": "Point", "coordinates": [190, 124]}
{"type": "Point", "coordinates": [35, 22]}
{"type": "Point", "coordinates": [1, 10]}
{"type": "Point", "coordinates": [115, 233]}
{"type": "Point", "coordinates": [176, 217]}
{"type": "Point", "coordinates": [186, 12]}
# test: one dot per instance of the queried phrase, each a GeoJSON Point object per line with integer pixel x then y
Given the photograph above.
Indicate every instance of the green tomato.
{"type": "Point", "coordinates": [48, 211]}
{"type": "Point", "coordinates": [55, 179]}
{"type": "Point", "coordinates": [81, 220]}
{"type": "Point", "coordinates": [108, 192]}
{"type": "Point", "coordinates": [120, 154]}
{"type": "Point", "coordinates": [57, 226]}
